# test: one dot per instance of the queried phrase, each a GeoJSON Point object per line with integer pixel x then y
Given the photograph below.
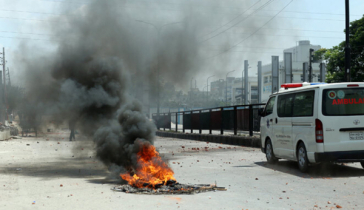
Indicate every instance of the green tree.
{"type": "Point", "coordinates": [335, 57]}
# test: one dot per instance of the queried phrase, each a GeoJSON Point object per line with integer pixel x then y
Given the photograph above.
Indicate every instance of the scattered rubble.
{"type": "Point", "coordinates": [173, 188]}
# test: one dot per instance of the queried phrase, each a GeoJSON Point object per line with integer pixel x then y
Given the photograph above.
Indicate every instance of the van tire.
{"type": "Point", "coordinates": [269, 153]}
{"type": "Point", "coordinates": [302, 157]}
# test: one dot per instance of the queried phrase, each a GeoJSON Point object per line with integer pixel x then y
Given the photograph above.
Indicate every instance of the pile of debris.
{"type": "Point", "coordinates": [14, 131]}
{"type": "Point", "coordinates": [3, 127]}
{"type": "Point", "coordinates": [172, 187]}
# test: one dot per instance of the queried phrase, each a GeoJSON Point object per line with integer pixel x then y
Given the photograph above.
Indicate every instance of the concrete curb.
{"type": "Point", "coordinates": [249, 141]}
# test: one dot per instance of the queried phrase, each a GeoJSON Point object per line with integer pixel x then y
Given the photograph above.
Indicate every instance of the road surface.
{"type": "Point", "coordinates": [39, 173]}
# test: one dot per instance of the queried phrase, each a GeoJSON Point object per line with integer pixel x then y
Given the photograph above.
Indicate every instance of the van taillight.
{"type": "Point", "coordinates": [319, 131]}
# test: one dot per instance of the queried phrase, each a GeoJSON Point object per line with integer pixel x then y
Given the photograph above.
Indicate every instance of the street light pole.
{"type": "Point", "coordinates": [207, 90]}
{"type": "Point", "coordinates": [347, 42]}
{"type": "Point", "coordinates": [226, 87]}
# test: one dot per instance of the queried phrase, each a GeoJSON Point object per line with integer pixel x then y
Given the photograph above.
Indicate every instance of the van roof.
{"type": "Point", "coordinates": [306, 86]}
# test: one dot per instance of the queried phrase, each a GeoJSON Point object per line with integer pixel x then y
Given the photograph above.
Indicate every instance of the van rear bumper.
{"type": "Point", "coordinates": [342, 156]}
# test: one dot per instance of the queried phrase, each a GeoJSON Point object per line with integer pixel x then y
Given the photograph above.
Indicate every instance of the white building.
{"type": "Point", "coordinates": [300, 54]}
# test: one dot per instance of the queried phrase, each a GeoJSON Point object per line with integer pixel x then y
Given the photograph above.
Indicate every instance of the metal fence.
{"type": "Point", "coordinates": [229, 118]}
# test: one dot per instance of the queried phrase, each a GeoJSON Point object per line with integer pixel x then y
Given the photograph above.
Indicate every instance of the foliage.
{"type": "Point", "coordinates": [335, 57]}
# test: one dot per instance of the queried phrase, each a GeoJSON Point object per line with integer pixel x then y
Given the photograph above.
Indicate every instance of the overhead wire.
{"type": "Point", "coordinates": [49, 13]}
{"type": "Point", "coordinates": [253, 32]}
{"type": "Point", "coordinates": [314, 13]}
{"type": "Point", "coordinates": [246, 51]}
{"type": "Point", "coordinates": [264, 5]}
{"type": "Point", "coordinates": [26, 38]}
{"type": "Point", "coordinates": [13, 32]}
{"type": "Point", "coordinates": [268, 2]}
{"type": "Point", "coordinates": [295, 36]}
{"type": "Point", "coordinates": [33, 12]}
{"type": "Point", "coordinates": [30, 19]}
{"type": "Point", "coordinates": [201, 5]}
{"type": "Point", "coordinates": [232, 19]}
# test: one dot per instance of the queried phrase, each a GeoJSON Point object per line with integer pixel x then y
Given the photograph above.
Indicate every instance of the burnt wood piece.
{"type": "Point", "coordinates": [171, 182]}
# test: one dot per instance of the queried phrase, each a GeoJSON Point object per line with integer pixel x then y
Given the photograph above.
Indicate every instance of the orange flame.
{"type": "Point", "coordinates": [151, 169]}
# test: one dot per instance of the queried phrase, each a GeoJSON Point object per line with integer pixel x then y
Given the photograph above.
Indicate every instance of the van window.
{"type": "Point", "coordinates": [343, 101]}
{"type": "Point", "coordinates": [270, 105]}
{"type": "Point", "coordinates": [303, 104]}
{"type": "Point", "coordinates": [285, 105]}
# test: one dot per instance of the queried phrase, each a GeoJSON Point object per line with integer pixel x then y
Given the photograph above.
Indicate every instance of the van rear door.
{"type": "Point", "coordinates": [343, 118]}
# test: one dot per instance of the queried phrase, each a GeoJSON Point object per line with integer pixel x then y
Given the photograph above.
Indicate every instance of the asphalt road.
{"type": "Point", "coordinates": [36, 173]}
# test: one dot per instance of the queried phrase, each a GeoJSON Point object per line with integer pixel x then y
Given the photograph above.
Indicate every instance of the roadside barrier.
{"type": "Point", "coordinates": [234, 118]}
{"type": "Point", "coordinates": [248, 141]}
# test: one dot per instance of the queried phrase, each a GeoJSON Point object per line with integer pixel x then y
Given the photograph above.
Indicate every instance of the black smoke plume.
{"type": "Point", "coordinates": [104, 53]}
{"type": "Point", "coordinates": [86, 80]}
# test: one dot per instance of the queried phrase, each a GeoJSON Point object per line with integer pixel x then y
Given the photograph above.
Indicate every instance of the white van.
{"type": "Point", "coordinates": [313, 123]}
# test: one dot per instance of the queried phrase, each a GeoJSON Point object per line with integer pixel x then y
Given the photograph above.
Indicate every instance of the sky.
{"type": "Point", "coordinates": [237, 30]}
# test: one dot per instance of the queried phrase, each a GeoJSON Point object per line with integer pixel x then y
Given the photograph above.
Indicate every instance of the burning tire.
{"type": "Point", "coordinates": [269, 153]}
{"type": "Point", "coordinates": [302, 158]}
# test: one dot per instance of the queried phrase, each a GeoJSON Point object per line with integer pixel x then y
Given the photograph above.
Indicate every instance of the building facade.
{"type": "Point", "coordinates": [217, 90]}
{"type": "Point", "coordinates": [300, 55]}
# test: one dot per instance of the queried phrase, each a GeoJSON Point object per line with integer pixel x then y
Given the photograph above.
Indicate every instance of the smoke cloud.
{"type": "Point", "coordinates": [102, 56]}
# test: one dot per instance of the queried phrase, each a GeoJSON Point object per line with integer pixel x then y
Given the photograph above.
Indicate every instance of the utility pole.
{"type": "Point", "coordinates": [4, 61]}
{"type": "Point", "coordinates": [259, 82]}
{"type": "Point", "coordinates": [310, 65]}
{"type": "Point", "coordinates": [4, 88]}
{"type": "Point", "coordinates": [8, 74]}
{"type": "Point", "coordinates": [347, 42]}
{"type": "Point", "coordinates": [305, 71]}
{"type": "Point", "coordinates": [246, 81]}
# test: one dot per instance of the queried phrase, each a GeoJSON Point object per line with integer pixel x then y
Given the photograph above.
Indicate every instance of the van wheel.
{"type": "Point", "coordinates": [269, 153]}
{"type": "Point", "coordinates": [302, 158]}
